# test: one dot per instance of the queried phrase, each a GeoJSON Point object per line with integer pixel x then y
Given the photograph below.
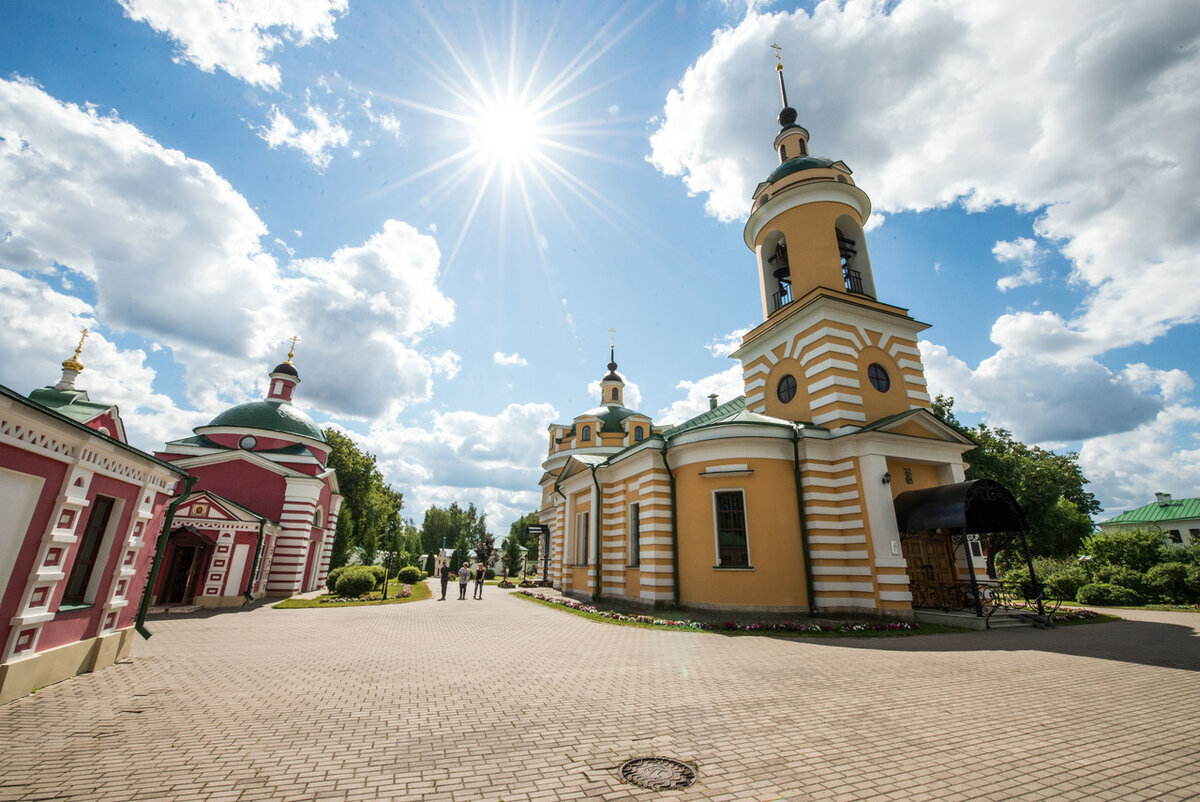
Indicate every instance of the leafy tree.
{"type": "Point", "coordinates": [519, 530]}
{"type": "Point", "coordinates": [485, 549]}
{"type": "Point", "coordinates": [512, 556]}
{"type": "Point", "coordinates": [373, 505]}
{"type": "Point", "coordinates": [1137, 549]}
{"type": "Point", "coordinates": [343, 535]}
{"type": "Point", "coordinates": [436, 530]}
{"type": "Point", "coordinates": [461, 553]}
{"type": "Point", "coordinates": [1048, 486]}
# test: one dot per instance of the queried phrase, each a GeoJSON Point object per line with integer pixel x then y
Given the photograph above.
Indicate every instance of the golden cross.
{"type": "Point", "coordinates": [78, 348]}
{"type": "Point", "coordinates": [613, 334]}
{"type": "Point", "coordinates": [778, 61]}
{"type": "Point", "coordinates": [292, 350]}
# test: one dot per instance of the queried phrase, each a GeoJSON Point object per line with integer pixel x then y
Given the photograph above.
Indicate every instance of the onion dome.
{"type": "Point", "coordinates": [268, 416]}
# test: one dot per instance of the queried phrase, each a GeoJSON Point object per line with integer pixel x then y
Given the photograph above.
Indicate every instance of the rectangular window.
{"type": "Point", "coordinates": [976, 549]}
{"type": "Point", "coordinates": [89, 548]}
{"type": "Point", "coordinates": [635, 535]}
{"type": "Point", "coordinates": [732, 548]}
{"type": "Point", "coordinates": [1174, 536]}
{"type": "Point", "coordinates": [581, 538]}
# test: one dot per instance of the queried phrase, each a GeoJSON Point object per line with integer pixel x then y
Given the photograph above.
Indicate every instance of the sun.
{"type": "Point", "coordinates": [508, 133]}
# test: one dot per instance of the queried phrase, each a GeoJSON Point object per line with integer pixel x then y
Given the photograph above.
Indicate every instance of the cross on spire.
{"type": "Point", "coordinates": [778, 61]}
{"type": "Point", "coordinates": [292, 350]}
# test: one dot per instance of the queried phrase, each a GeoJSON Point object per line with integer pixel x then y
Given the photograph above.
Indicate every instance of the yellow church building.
{"type": "Point", "coordinates": [828, 486]}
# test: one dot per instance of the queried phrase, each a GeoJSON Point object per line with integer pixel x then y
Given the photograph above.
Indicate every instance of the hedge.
{"type": "Point", "coordinates": [356, 581]}
{"type": "Point", "coordinates": [410, 574]}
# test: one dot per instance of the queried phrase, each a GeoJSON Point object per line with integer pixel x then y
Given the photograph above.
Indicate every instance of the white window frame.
{"type": "Point", "coordinates": [716, 528]}
{"type": "Point", "coordinates": [582, 544]}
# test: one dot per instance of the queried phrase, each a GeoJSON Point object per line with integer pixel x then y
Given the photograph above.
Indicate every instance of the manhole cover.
{"type": "Point", "coordinates": [658, 773]}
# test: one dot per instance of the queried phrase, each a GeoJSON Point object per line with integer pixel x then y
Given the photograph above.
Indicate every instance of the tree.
{"type": "Point", "coordinates": [1048, 486]}
{"type": "Point", "coordinates": [520, 529]}
{"type": "Point", "coordinates": [343, 536]}
{"type": "Point", "coordinates": [485, 549]}
{"type": "Point", "coordinates": [1139, 549]}
{"type": "Point", "coordinates": [373, 505]}
{"type": "Point", "coordinates": [512, 556]}
{"type": "Point", "coordinates": [461, 553]}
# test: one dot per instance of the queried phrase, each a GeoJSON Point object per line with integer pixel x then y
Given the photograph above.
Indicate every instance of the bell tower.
{"type": "Point", "coordinates": [828, 352]}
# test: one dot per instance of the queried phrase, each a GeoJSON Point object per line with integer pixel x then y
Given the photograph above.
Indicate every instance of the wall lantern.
{"type": "Point", "coordinates": [887, 478]}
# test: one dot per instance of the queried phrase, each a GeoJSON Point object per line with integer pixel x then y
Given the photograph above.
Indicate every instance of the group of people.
{"type": "Point", "coordinates": [464, 576]}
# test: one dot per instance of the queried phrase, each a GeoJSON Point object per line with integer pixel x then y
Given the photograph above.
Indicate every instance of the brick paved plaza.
{"type": "Point", "coordinates": [505, 699]}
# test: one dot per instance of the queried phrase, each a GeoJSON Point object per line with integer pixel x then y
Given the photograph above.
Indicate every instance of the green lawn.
{"type": "Point", "coordinates": [420, 592]}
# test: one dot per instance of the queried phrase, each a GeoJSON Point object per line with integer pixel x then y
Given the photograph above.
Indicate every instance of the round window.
{"type": "Point", "coordinates": [879, 377]}
{"type": "Point", "coordinates": [248, 442]}
{"type": "Point", "coordinates": [786, 389]}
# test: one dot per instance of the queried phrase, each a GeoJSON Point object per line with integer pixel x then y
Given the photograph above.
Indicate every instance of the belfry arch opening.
{"type": "Point", "coordinates": [852, 250]}
{"type": "Point", "coordinates": [776, 271]}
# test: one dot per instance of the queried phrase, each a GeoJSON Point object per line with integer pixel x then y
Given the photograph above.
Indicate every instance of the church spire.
{"type": "Point", "coordinates": [284, 378]}
{"type": "Point", "coordinates": [612, 386]}
{"type": "Point", "coordinates": [792, 139]}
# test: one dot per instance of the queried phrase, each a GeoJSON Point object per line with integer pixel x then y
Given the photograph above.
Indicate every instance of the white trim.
{"type": "Point", "coordinates": [830, 364]}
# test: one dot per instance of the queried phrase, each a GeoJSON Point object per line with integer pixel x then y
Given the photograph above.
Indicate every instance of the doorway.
{"type": "Point", "coordinates": [179, 586]}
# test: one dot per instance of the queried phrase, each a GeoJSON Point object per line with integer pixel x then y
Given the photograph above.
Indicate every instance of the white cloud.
{"type": "Point", "coordinates": [725, 345]}
{"type": "Point", "coordinates": [1043, 401]}
{"type": "Point", "coordinates": [500, 358]}
{"type": "Point", "coordinates": [447, 364]}
{"type": "Point", "coordinates": [728, 385]}
{"type": "Point", "coordinates": [315, 142]}
{"type": "Point", "coordinates": [387, 122]}
{"type": "Point", "coordinates": [491, 460]}
{"type": "Point", "coordinates": [1128, 468]}
{"type": "Point", "coordinates": [238, 36]}
{"type": "Point", "coordinates": [1082, 109]}
{"type": "Point", "coordinates": [173, 253]}
{"type": "Point", "coordinates": [1025, 252]}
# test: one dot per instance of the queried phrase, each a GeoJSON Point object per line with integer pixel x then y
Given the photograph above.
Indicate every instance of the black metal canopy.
{"type": "Point", "coordinates": [979, 506]}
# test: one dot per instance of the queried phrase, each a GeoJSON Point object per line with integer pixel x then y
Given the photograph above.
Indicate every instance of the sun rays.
{"type": "Point", "coordinates": [514, 119]}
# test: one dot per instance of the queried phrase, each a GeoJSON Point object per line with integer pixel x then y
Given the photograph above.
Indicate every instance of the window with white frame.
{"type": "Point", "coordinates": [733, 549]}
{"type": "Point", "coordinates": [635, 535]}
{"type": "Point", "coordinates": [80, 587]}
{"type": "Point", "coordinates": [581, 538]}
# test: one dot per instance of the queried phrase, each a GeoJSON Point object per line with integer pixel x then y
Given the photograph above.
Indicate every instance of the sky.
{"type": "Point", "coordinates": [458, 210]}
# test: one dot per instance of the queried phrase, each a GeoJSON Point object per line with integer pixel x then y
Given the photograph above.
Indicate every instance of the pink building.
{"type": "Point", "coordinates": [82, 511]}
{"type": "Point", "coordinates": [261, 517]}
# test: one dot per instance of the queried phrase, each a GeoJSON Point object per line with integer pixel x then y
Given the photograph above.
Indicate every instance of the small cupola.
{"type": "Point", "coordinates": [71, 366]}
{"type": "Point", "coordinates": [284, 378]}
{"type": "Point", "coordinates": [612, 386]}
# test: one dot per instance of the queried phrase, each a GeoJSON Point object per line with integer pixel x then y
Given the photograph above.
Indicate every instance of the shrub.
{"type": "Point", "coordinates": [1168, 582]}
{"type": "Point", "coordinates": [430, 563]}
{"type": "Point", "coordinates": [489, 574]}
{"type": "Point", "coordinates": [1123, 576]}
{"type": "Point", "coordinates": [378, 572]}
{"type": "Point", "coordinates": [356, 581]}
{"type": "Point", "coordinates": [331, 580]}
{"type": "Point", "coordinates": [1138, 549]}
{"type": "Point", "coordinates": [1017, 580]}
{"type": "Point", "coordinates": [1105, 593]}
{"type": "Point", "coordinates": [1065, 583]}
{"type": "Point", "coordinates": [1193, 582]}
{"type": "Point", "coordinates": [410, 575]}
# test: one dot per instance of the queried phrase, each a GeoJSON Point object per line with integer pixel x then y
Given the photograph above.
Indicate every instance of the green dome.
{"type": "Point", "coordinates": [611, 417]}
{"type": "Point", "coordinates": [798, 163]}
{"type": "Point", "coordinates": [270, 416]}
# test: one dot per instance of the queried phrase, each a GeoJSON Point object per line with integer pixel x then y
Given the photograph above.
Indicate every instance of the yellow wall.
{"type": "Point", "coordinates": [878, 405]}
{"type": "Point", "coordinates": [773, 526]}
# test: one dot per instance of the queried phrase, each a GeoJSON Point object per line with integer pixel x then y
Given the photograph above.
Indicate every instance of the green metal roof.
{"type": "Point", "coordinates": [610, 417]}
{"type": "Point", "coordinates": [15, 396]}
{"type": "Point", "coordinates": [270, 416]}
{"type": "Point", "coordinates": [1176, 509]}
{"type": "Point", "coordinates": [74, 404]}
{"type": "Point", "coordinates": [798, 163]}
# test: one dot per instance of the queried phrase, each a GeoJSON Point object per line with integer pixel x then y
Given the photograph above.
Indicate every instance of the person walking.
{"type": "Point", "coordinates": [445, 572]}
{"type": "Point", "coordinates": [464, 576]}
{"type": "Point", "coordinates": [479, 575]}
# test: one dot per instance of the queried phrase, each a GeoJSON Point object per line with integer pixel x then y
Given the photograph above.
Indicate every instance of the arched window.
{"type": "Point", "coordinates": [586, 434]}
{"type": "Point", "coordinates": [856, 268]}
{"type": "Point", "coordinates": [317, 517]}
{"type": "Point", "coordinates": [777, 273]}
{"type": "Point", "coordinates": [638, 434]}
{"type": "Point", "coordinates": [783, 153]}
{"type": "Point", "coordinates": [614, 394]}
{"type": "Point", "coordinates": [786, 389]}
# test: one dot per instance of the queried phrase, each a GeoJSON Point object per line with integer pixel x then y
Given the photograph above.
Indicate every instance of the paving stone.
{"type": "Point", "coordinates": [510, 700]}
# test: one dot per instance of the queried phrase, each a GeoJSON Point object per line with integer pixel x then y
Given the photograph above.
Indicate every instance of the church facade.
{"type": "Point", "coordinates": [261, 517]}
{"type": "Point", "coordinates": [780, 500]}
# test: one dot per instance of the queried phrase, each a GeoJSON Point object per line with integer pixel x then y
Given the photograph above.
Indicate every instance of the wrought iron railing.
{"type": "Point", "coordinates": [781, 298]}
{"type": "Point", "coordinates": [854, 282]}
{"type": "Point", "coordinates": [984, 599]}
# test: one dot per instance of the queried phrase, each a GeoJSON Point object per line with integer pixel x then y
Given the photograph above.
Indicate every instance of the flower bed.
{"type": "Point", "coordinates": [1070, 614]}
{"type": "Point", "coordinates": [727, 626]}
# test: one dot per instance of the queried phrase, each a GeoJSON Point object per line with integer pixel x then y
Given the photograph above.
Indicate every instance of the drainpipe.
{"type": "Point", "coordinates": [674, 524]}
{"type": "Point", "coordinates": [808, 576]}
{"type": "Point", "coordinates": [262, 522]}
{"type": "Point", "coordinates": [599, 526]}
{"type": "Point", "coordinates": [160, 549]}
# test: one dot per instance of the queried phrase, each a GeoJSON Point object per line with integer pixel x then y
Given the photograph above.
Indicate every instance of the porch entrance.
{"type": "Point", "coordinates": [189, 556]}
{"type": "Point", "coordinates": [945, 532]}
